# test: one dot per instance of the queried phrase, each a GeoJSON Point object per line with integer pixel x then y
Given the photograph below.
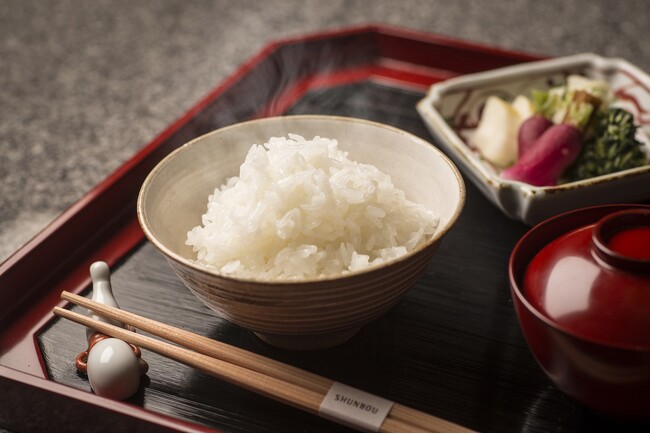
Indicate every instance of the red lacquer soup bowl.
{"type": "Point", "coordinates": [581, 289]}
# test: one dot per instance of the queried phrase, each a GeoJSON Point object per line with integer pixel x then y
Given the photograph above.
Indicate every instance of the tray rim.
{"type": "Point", "coordinates": [128, 233]}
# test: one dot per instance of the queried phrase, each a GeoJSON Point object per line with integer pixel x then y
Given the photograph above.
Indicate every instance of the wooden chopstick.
{"type": "Point", "coordinates": [232, 354]}
{"type": "Point", "coordinates": [207, 346]}
{"type": "Point", "coordinates": [268, 377]}
{"type": "Point", "coordinates": [286, 392]}
{"type": "Point", "coordinates": [289, 393]}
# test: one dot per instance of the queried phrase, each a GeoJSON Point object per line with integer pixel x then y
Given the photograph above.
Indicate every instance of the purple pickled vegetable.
{"type": "Point", "coordinates": [529, 131]}
{"type": "Point", "coordinates": [548, 157]}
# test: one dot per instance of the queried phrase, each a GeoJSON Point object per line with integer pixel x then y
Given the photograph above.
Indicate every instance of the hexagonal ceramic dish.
{"type": "Point", "coordinates": [451, 111]}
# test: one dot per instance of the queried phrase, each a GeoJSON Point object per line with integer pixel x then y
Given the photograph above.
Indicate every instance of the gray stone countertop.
{"type": "Point", "coordinates": [85, 84]}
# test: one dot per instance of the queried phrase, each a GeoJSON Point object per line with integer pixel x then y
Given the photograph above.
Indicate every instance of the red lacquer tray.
{"type": "Point", "coordinates": [451, 348]}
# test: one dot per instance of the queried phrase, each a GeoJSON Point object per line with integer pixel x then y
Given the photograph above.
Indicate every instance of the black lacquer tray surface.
{"type": "Point", "coordinates": [452, 347]}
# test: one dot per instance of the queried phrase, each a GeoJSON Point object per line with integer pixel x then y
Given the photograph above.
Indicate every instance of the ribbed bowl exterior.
{"type": "Point", "coordinates": [310, 308]}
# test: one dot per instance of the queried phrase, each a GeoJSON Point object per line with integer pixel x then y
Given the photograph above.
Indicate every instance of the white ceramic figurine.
{"type": "Point", "coordinates": [113, 366]}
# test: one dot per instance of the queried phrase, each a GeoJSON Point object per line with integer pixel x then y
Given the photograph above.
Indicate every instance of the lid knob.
{"type": "Point", "coordinates": [622, 240]}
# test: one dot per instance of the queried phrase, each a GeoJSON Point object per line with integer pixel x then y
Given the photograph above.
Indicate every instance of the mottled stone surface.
{"type": "Point", "coordinates": [85, 84]}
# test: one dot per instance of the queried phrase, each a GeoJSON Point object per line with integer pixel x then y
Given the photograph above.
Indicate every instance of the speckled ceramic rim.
{"type": "Point", "coordinates": [440, 232]}
{"type": "Point", "coordinates": [521, 245]}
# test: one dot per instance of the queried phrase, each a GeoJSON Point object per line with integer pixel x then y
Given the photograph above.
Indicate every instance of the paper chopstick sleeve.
{"type": "Point", "coordinates": [355, 408]}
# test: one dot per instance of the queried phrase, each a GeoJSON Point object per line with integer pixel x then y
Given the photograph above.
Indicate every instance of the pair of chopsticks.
{"type": "Point", "coordinates": [268, 377]}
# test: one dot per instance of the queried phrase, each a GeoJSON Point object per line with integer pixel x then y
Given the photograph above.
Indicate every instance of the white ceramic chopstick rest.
{"type": "Point", "coordinates": [113, 369]}
{"type": "Point", "coordinates": [102, 293]}
{"type": "Point", "coordinates": [113, 366]}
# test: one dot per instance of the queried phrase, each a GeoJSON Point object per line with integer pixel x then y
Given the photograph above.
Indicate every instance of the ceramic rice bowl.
{"type": "Point", "coordinates": [307, 314]}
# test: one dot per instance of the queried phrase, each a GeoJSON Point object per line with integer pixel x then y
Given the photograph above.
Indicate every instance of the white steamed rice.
{"type": "Point", "coordinates": [301, 209]}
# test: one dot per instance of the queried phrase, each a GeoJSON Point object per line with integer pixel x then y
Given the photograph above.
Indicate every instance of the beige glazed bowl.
{"type": "Point", "coordinates": [307, 314]}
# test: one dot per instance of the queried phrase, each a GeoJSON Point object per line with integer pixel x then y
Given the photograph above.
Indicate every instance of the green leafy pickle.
{"type": "Point", "coordinates": [612, 148]}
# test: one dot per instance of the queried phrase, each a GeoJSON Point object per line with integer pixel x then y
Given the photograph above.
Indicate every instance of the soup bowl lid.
{"type": "Point", "coordinates": [594, 280]}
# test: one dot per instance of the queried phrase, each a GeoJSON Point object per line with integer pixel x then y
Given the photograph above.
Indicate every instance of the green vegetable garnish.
{"type": "Point", "coordinates": [612, 148]}
{"type": "Point", "coordinates": [580, 110]}
{"type": "Point", "coordinates": [573, 107]}
{"type": "Point", "coordinates": [547, 103]}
